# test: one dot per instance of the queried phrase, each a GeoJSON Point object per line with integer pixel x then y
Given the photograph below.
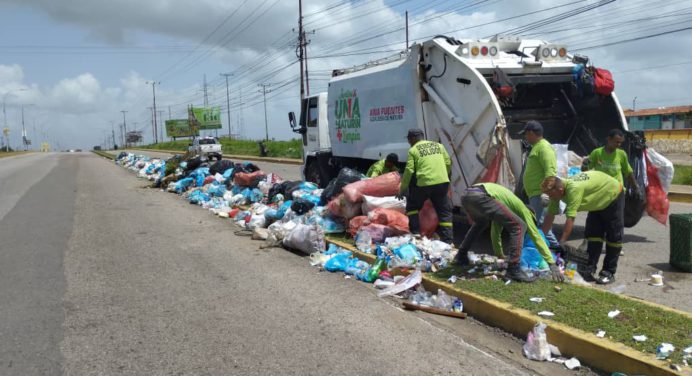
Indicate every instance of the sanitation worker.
{"type": "Point", "coordinates": [602, 196]}
{"type": "Point", "coordinates": [541, 163]}
{"type": "Point", "coordinates": [492, 203]}
{"type": "Point", "coordinates": [426, 176]}
{"type": "Point", "coordinates": [384, 166]}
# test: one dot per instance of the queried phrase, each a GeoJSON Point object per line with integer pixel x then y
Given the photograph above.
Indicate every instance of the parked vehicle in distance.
{"type": "Point", "coordinates": [208, 147]}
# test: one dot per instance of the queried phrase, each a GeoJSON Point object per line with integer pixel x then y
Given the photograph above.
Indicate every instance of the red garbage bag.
{"type": "Point", "coordinates": [390, 218]}
{"type": "Point", "coordinates": [356, 223]}
{"type": "Point", "coordinates": [427, 217]}
{"type": "Point", "coordinates": [249, 179]}
{"type": "Point", "coordinates": [233, 212]}
{"type": "Point", "coordinates": [208, 180]}
{"type": "Point", "coordinates": [493, 171]}
{"type": "Point", "coordinates": [339, 207]}
{"type": "Point", "coordinates": [657, 203]}
{"type": "Point", "coordinates": [380, 186]}
{"type": "Point", "coordinates": [378, 233]}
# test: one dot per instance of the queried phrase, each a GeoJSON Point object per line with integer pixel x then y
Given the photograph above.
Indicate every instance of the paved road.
{"type": "Point", "coordinates": [101, 276]}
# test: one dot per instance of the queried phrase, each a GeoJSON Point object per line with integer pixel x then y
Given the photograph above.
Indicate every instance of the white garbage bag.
{"type": "Point", "coordinates": [664, 166]}
{"type": "Point", "coordinates": [305, 238]}
{"type": "Point", "coordinates": [389, 202]}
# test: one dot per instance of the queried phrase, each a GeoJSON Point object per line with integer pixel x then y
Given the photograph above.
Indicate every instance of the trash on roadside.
{"type": "Point", "coordinates": [404, 284]}
{"type": "Point", "coordinates": [536, 299]}
{"type": "Point", "coordinates": [572, 363]}
{"type": "Point", "coordinates": [613, 314]}
{"type": "Point", "coordinates": [600, 333]}
{"type": "Point", "coordinates": [657, 279]}
{"type": "Point", "coordinates": [640, 338]}
{"type": "Point", "coordinates": [536, 346]}
{"type": "Point", "coordinates": [546, 314]}
{"type": "Point", "coordinates": [619, 289]}
{"type": "Point", "coordinates": [664, 350]}
{"type": "Point", "coordinates": [452, 279]}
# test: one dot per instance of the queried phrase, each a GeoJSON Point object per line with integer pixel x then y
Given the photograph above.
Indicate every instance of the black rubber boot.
{"type": "Point", "coordinates": [515, 273]}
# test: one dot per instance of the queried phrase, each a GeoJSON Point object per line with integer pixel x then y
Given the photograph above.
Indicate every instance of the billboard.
{"type": "Point", "coordinates": [179, 128]}
{"type": "Point", "coordinates": [206, 118]}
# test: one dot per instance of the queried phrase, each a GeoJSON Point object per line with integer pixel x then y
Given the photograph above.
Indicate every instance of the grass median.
{"type": "Point", "coordinates": [582, 308]}
{"type": "Point", "coordinates": [682, 175]}
{"type": "Point", "coordinates": [275, 149]}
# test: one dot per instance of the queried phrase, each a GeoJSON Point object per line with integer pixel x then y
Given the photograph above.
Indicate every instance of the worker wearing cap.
{"type": "Point", "coordinates": [601, 196]}
{"type": "Point", "coordinates": [426, 176]}
{"type": "Point", "coordinates": [541, 163]}
{"type": "Point", "coordinates": [492, 203]}
{"type": "Point", "coordinates": [384, 166]}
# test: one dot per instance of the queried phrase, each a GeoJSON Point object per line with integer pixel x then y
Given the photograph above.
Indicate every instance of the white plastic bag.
{"type": "Point", "coordinates": [562, 153]}
{"type": "Point", "coordinates": [664, 166]}
{"type": "Point", "coordinates": [536, 346]}
{"type": "Point", "coordinates": [305, 238]}
{"type": "Point", "coordinates": [389, 202]}
{"type": "Point", "coordinates": [257, 220]}
{"type": "Point", "coordinates": [404, 284]}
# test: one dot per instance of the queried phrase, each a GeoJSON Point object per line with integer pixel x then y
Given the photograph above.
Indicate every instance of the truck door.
{"type": "Point", "coordinates": [312, 135]}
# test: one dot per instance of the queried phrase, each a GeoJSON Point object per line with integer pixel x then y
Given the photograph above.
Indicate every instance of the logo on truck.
{"type": "Point", "coordinates": [347, 114]}
{"type": "Point", "coordinates": [389, 113]}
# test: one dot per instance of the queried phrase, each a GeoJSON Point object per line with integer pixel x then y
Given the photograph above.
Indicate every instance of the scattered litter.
{"type": "Point", "coordinates": [558, 288]}
{"type": "Point", "coordinates": [554, 351]}
{"type": "Point", "coordinates": [612, 314]}
{"type": "Point", "coordinates": [536, 299]}
{"type": "Point", "coordinates": [508, 282]}
{"type": "Point", "coordinates": [546, 313]}
{"type": "Point", "coordinates": [572, 363]}
{"type": "Point", "coordinates": [452, 279]}
{"type": "Point", "coordinates": [600, 333]}
{"type": "Point", "coordinates": [536, 346]}
{"type": "Point", "coordinates": [664, 350]}
{"type": "Point", "coordinates": [404, 284]}
{"type": "Point", "coordinates": [675, 367]}
{"type": "Point", "coordinates": [346, 276]}
{"type": "Point", "coordinates": [618, 289]}
{"type": "Point", "coordinates": [640, 338]}
{"type": "Point", "coordinates": [657, 279]}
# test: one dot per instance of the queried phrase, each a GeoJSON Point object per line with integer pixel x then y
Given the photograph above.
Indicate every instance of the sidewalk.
{"type": "Point", "coordinates": [680, 193]}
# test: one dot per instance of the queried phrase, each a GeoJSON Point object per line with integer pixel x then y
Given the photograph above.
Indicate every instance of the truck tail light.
{"type": "Point", "coordinates": [474, 50]}
{"type": "Point", "coordinates": [493, 51]}
{"type": "Point", "coordinates": [562, 52]}
{"type": "Point", "coordinates": [484, 50]}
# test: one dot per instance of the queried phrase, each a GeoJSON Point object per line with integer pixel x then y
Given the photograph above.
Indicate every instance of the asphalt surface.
{"type": "Point", "coordinates": [102, 276]}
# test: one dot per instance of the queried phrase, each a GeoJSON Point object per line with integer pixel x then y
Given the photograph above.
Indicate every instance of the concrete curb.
{"type": "Point", "coordinates": [597, 352]}
{"type": "Point", "coordinates": [104, 154]}
{"type": "Point", "coordinates": [683, 197]}
{"type": "Point", "coordinates": [14, 154]}
{"type": "Point", "coordinates": [233, 156]}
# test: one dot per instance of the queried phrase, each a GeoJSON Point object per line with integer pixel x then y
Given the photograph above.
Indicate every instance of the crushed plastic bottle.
{"type": "Point", "coordinates": [570, 271]}
{"type": "Point", "coordinates": [364, 242]}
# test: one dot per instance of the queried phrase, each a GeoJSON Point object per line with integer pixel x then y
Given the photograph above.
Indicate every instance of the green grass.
{"type": "Point", "coordinates": [683, 175]}
{"type": "Point", "coordinates": [587, 309]}
{"type": "Point", "coordinates": [583, 308]}
{"type": "Point", "coordinates": [275, 149]}
{"type": "Point", "coordinates": [11, 153]}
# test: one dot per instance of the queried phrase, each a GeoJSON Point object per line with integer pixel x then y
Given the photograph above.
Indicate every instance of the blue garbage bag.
{"type": "Point", "coordinates": [331, 226]}
{"type": "Point", "coordinates": [308, 187]}
{"type": "Point", "coordinates": [183, 184]}
{"type": "Point", "coordinates": [338, 262]}
{"type": "Point", "coordinates": [284, 208]}
{"type": "Point", "coordinates": [197, 197]}
{"type": "Point", "coordinates": [312, 198]}
{"type": "Point", "coordinates": [271, 215]}
{"type": "Point", "coordinates": [530, 257]}
{"type": "Point", "coordinates": [227, 174]}
{"type": "Point", "coordinates": [216, 190]}
{"type": "Point", "coordinates": [356, 266]}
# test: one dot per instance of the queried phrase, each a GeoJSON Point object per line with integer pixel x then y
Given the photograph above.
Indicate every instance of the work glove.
{"type": "Point", "coordinates": [556, 273]}
{"type": "Point", "coordinates": [567, 249]}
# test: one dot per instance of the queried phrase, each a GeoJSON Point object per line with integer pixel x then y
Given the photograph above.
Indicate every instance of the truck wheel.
{"type": "Point", "coordinates": [312, 173]}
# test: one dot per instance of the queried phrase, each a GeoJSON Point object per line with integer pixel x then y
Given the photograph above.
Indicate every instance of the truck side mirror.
{"type": "Point", "coordinates": [292, 119]}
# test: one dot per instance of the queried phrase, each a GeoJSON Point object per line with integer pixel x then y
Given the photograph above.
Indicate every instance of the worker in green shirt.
{"type": "Point", "coordinates": [492, 203]}
{"type": "Point", "coordinates": [612, 160]}
{"type": "Point", "coordinates": [426, 176]}
{"type": "Point", "coordinates": [540, 163]}
{"type": "Point", "coordinates": [384, 166]}
{"type": "Point", "coordinates": [602, 196]}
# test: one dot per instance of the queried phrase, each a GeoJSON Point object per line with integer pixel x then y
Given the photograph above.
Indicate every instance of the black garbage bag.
{"type": "Point", "coordinates": [121, 155]}
{"type": "Point", "coordinates": [301, 206]}
{"type": "Point", "coordinates": [635, 203]}
{"type": "Point", "coordinates": [285, 188]}
{"type": "Point", "coordinates": [195, 163]}
{"type": "Point", "coordinates": [221, 166]}
{"type": "Point", "coordinates": [346, 176]}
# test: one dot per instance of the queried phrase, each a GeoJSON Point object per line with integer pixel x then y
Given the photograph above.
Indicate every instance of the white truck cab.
{"type": "Point", "coordinates": [208, 147]}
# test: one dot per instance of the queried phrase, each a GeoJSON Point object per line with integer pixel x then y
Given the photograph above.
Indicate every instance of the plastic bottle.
{"type": "Point", "coordinates": [570, 270]}
{"type": "Point", "coordinates": [375, 270]}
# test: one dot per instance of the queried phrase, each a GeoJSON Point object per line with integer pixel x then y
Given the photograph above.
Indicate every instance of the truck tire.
{"type": "Point", "coordinates": [312, 173]}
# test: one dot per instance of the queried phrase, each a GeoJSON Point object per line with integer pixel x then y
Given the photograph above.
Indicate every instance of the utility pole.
{"type": "Point", "coordinates": [153, 121]}
{"type": "Point", "coordinates": [406, 30]}
{"type": "Point", "coordinates": [301, 38]}
{"type": "Point", "coordinates": [634, 104]}
{"type": "Point", "coordinates": [124, 128]}
{"type": "Point", "coordinates": [228, 103]}
{"type": "Point", "coordinates": [161, 125]}
{"type": "Point", "coordinates": [23, 130]}
{"type": "Point", "coordinates": [264, 94]}
{"type": "Point", "coordinates": [153, 125]}
{"type": "Point", "coordinates": [113, 131]}
{"type": "Point", "coordinates": [241, 119]}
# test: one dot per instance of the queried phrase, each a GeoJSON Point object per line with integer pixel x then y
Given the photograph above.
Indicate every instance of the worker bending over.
{"type": "Point", "coordinates": [384, 166]}
{"type": "Point", "coordinates": [601, 196]}
{"type": "Point", "coordinates": [492, 203]}
{"type": "Point", "coordinates": [426, 176]}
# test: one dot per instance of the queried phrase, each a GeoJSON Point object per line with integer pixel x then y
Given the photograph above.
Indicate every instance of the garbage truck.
{"type": "Point", "coordinates": [473, 96]}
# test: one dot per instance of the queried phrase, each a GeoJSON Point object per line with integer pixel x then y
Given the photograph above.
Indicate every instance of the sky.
{"type": "Point", "coordinates": [74, 65]}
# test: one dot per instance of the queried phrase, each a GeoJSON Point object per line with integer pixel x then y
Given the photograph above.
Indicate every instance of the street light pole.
{"type": "Point", "coordinates": [634, 103]}
{"type": "Point", "coordinates": [155, 124]}
{"type": "Point", "coordinates": [124, 128]}
{"type": "Point", "coordinates": [4, 114]}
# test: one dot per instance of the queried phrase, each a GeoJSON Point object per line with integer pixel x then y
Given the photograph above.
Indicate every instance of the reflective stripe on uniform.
{"type": "Point", "coordinates": [614, 244]}
{"type": "Point", "coordinates": [595, 239]}
{"type": "Point", "coordinates": [412, 212]}
{"type": "Point", "coordinates": [445, 224]}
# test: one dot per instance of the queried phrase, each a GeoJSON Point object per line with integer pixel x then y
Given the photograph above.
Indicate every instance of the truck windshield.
{"type": "Point", "coordinates": [207, 141]}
